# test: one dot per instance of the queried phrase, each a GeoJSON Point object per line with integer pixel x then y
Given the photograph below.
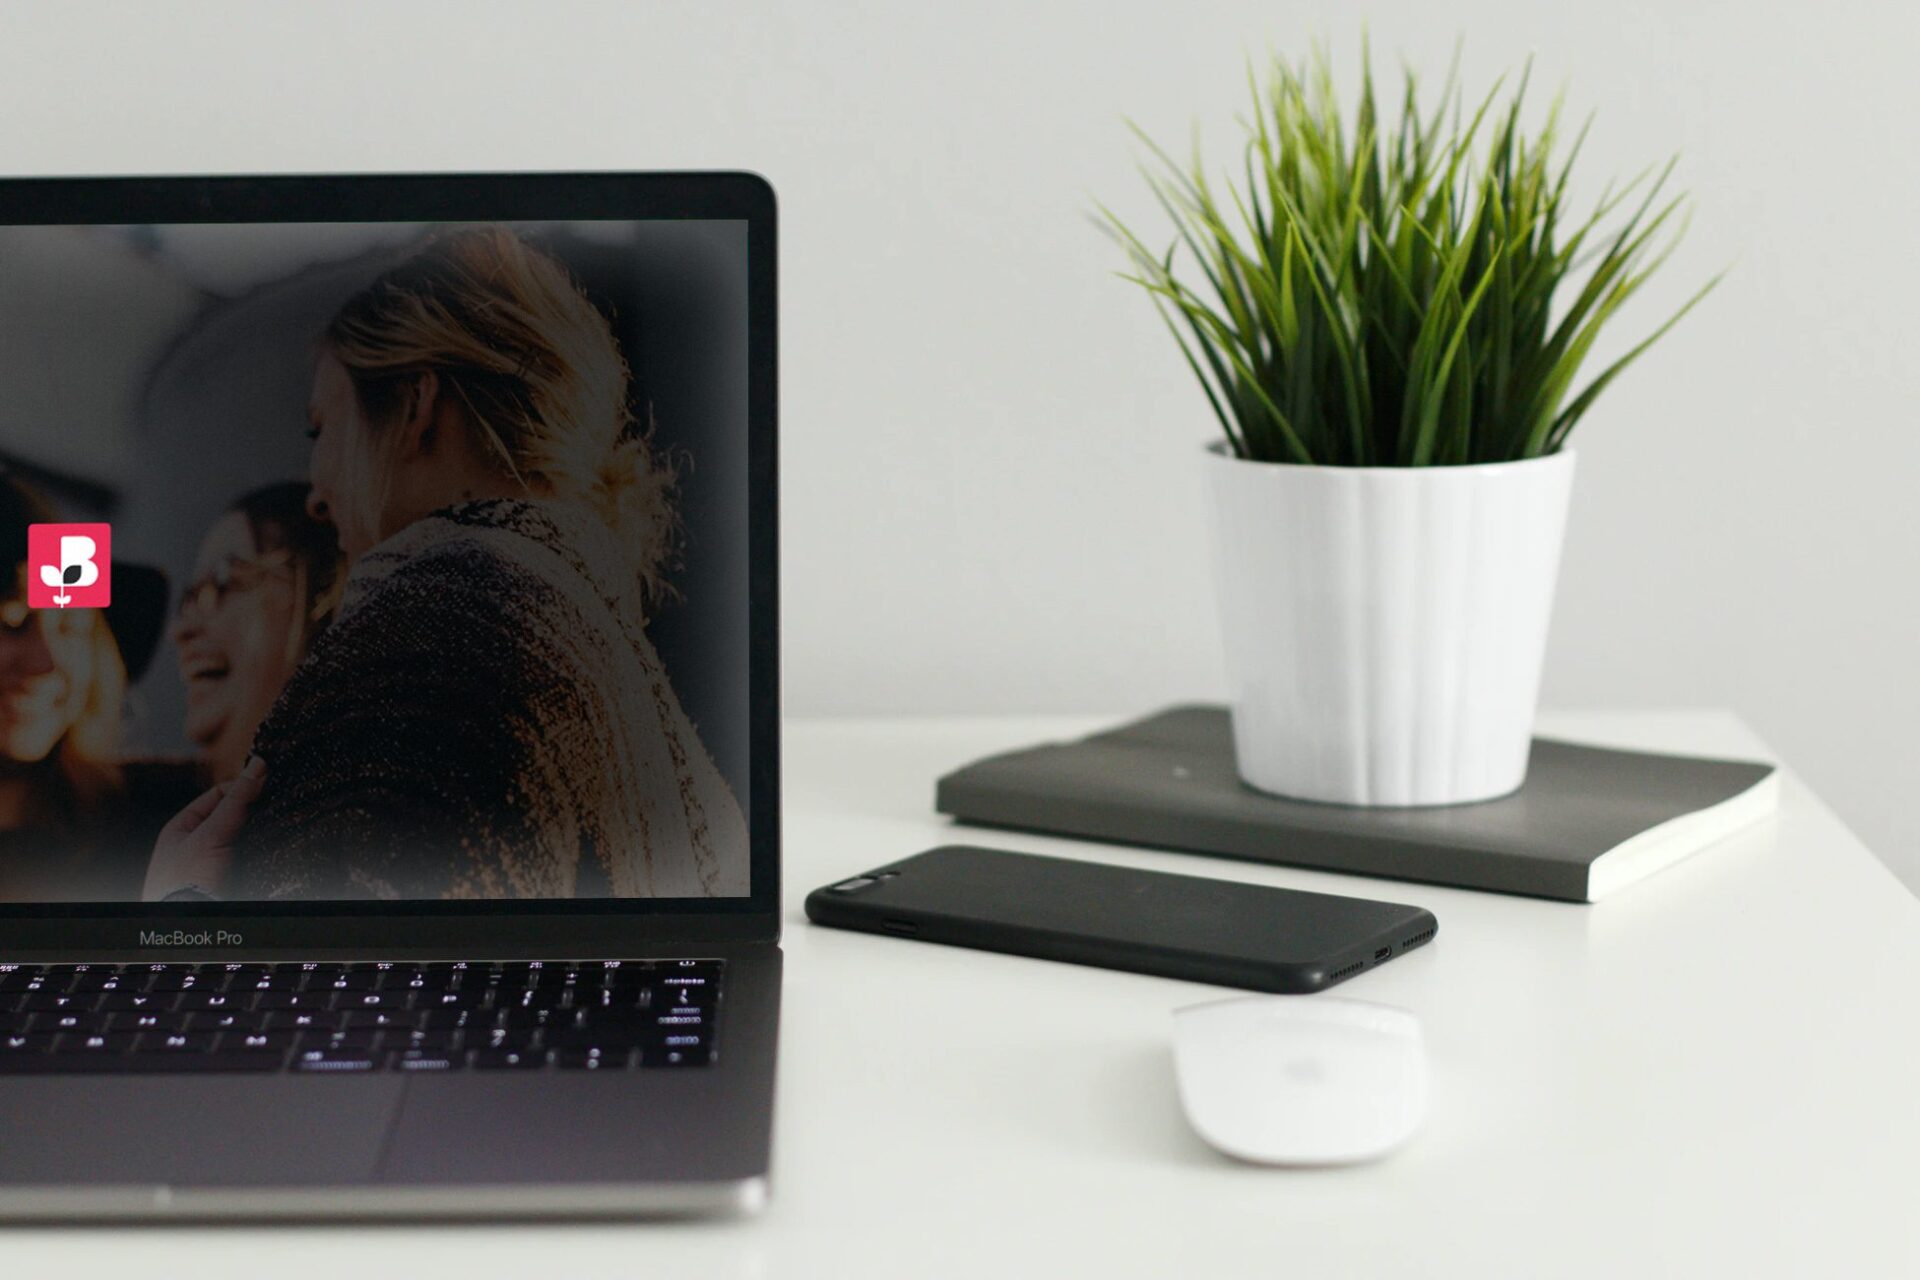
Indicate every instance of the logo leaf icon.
{"type": "Point", "coordinates": [72, 575]}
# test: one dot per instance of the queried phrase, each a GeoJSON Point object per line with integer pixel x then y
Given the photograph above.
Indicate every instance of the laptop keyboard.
{"type": "Point", "coordinates": [373, 1016]}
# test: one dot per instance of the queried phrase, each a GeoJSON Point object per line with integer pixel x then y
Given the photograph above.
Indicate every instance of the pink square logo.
{"type": "Point", "coordinates": [69, 566]}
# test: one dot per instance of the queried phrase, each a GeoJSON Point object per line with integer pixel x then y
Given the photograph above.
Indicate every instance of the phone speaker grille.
{"type": "Point", "coordinates": [1417, 939]}
{"type": "Point", "coordinates": [1347, 972]}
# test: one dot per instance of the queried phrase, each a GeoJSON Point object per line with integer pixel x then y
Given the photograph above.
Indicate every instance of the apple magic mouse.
{"type": "Point", "coordinates": [1300, 1080]}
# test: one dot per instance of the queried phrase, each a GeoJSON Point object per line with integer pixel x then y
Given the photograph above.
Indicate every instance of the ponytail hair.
{"type": "Point", "coordinates": [534, 364]}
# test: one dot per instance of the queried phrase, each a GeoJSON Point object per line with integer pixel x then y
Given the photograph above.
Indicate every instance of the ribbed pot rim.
{"type": "Point", "coordinates": [1220, 449]}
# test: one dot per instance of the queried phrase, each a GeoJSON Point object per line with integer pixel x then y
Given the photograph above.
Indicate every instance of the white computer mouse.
{"type": "Point", "coordinates": [1300, 1079]}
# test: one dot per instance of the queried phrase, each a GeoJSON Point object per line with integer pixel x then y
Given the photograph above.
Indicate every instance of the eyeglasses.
{"type": "Point", "coordinates": [208, 592]}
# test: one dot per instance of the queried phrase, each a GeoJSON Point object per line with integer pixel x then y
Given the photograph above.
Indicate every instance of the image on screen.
{"type": "Point", "coordinates": [373, 561]}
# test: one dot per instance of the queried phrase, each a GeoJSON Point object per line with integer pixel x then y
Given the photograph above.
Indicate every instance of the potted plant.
{"type": "Point", "coordinates": [1388, 318]}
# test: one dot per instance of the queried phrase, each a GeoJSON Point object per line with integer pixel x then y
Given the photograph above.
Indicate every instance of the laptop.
{"type": "Point", "coordinates": [389, 708]}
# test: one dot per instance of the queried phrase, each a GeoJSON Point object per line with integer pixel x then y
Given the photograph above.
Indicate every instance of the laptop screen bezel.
{"type": "Point", "coordinates": [500, 927]}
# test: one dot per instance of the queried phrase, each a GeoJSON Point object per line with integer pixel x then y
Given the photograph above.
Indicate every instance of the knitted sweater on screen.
{"type": "Point", "coordinates": [485, 718]}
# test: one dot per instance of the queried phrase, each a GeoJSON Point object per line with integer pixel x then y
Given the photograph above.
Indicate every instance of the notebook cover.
{"type": "Point", "coordinates": [1169, 781]}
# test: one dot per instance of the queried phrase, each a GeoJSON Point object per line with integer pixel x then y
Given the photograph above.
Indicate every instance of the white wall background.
{"type": "Point", "coordinates": [991, 497]}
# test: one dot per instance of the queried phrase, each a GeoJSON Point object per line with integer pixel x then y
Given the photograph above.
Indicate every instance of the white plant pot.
{"type": "Point", "coordinates": [1385, 626]}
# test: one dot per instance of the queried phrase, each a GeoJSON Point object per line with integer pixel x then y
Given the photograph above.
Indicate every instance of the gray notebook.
{"type": "Point", "coordinates": [1588, 820]}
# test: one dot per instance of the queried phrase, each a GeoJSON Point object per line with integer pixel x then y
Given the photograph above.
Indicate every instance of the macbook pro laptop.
{"type": "Point", "coordinates": [389, 709]}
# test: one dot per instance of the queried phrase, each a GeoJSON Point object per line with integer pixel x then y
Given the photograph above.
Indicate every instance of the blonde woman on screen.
{"type": "Point", "coordinates": [485, 716]}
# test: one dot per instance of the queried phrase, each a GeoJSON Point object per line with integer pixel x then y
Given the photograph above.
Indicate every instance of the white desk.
{"type": "Point", "coordinates": [1716, 1073]}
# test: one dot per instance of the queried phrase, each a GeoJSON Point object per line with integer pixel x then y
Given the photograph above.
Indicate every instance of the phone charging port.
{"type": "Point", "coordinates": [907, 927]}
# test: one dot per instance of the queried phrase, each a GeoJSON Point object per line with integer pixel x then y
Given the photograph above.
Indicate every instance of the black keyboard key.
{"type": "Point", "coordinates": [232, 977]}
{"type": "Point", "coordinates": [148, 1021]}
{"type": "Point", "coordinates": [97, 1042]}
{"type": "Point", "coordinates": [137, 1001]}
{"type": "Point", "coordinates": [329, 1038]}
{"type": "Point", "coordinates": [104, 979]}
{"type": "Point", "coordinates": [451, 1019]}
{"type": "Point", "coordinates": [291, 1000]}
{"type": "Point", "coordinates": [336, 1060]}
{"type": "Point", "coordinates": [427, 1041]}
{"type": "Point", "coordinates": [464, 998]}
{"type": "Point", "coordinates": [362, 1000]}
{"type": "Point", "coordinates": [186, 1062]}
{"type": "Point", "coordinates": [625, 999]}
{"type": "Point", "coordinates": [178, 982]}
{"type": "Point", "coordinates": [679, 1041]}
{"type": "Point", "coordinates": [363, 981]}
{"type": "Point", "coordinates": [271, 980]}
{"type": "Point", "coordinates": [533, 973]}
{"type": "Point", "coordinates": [275, 1042]}
{"type": "Point", "coordinates": [26, 1043]}
{"type": "Point", "coordinates": [224, 1020]}
{"type": "Point", "coordinates": [202, 998]}
{"type": "Point", "coordinates": [699, 1007]}
{"type": "Point", "coordinates": [678, 1024]}
{"type": "Point", "coordinates": [508, 1059]}
{"type": "Point", "coordinates": [609, 1019]}
{"type": "Point", "coordinates": [423, 983]}
{"type": "Point", "coordinates": [689, 1056]}
{"type": "Point", "coordinates": [619, 970]}
{"type": "Point", "coordinates": [299, 1020]}
{"type": "Point", "coordinates": [611, 1040]}
{"type": "Point", "coordinates": [176, 1041]}
{"type": "Point", "coordinates": [550, 997]}
{"type": "Point", "coordinates": [428, 1060]}
{"type": "Point", "coordinates": [592, 1059]}
{"type": "Point", "coordinates": [52, 1002]}
{"type": "Point", "coordinates": [601, 997]}
{"type": "Point", "coordinates": [687, 972]}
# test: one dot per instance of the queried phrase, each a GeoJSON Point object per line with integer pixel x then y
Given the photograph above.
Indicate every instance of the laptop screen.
{"type": "Point", "coordinates": [368, 561]}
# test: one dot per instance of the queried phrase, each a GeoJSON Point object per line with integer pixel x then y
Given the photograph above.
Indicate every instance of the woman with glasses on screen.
{"type": "Point", "coordinates": [263, 583]}
{"type": "Point", "coordinates": [485, 717]}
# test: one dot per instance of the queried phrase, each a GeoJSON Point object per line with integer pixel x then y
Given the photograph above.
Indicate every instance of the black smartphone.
{"type": "Point", "coordinates": [1188, 927]}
